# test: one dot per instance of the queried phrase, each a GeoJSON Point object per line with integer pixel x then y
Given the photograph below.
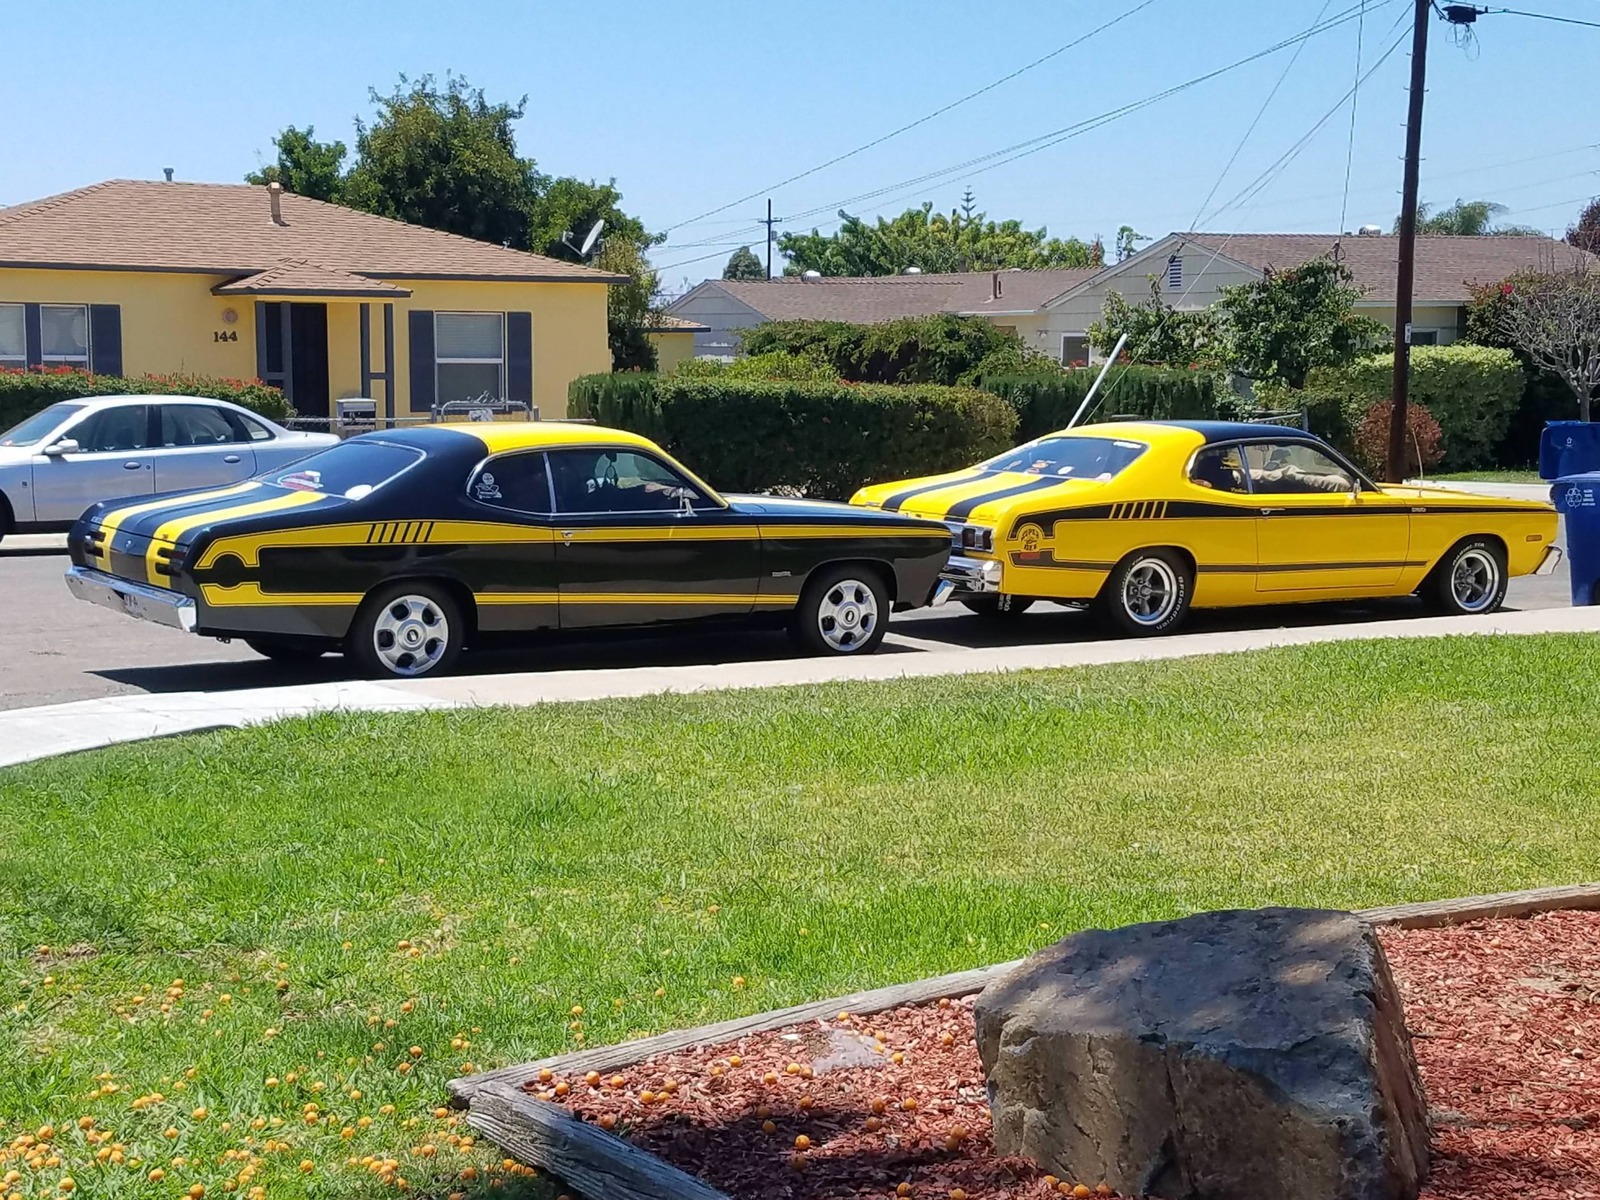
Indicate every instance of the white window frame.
{"type": "Point", "coordinates": [1088, 348]}
{"type": "Point", "coordinates": [499, 362]}
{"type": "Point", "coordinates": [70, 360]}
{"type": "Point", "coordinates": [9, 360]}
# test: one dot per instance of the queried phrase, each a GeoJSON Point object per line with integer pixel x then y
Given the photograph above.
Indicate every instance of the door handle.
{"type": "Point", "coordinates": [1267, 512]}
{"type": "Point", "coordinates": [230, 458]}
{"type": "Point", "coordinates": [132, 465]}
{"type": "Point", "coordinates": [566, 535]}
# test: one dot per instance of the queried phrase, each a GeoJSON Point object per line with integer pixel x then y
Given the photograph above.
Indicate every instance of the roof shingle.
{"type": "Point", "coordinates": [868, 300]}
{"type": "Point", "coordinates": [297, 277]}
{"type": "Point", "coordinates": [227, 229]}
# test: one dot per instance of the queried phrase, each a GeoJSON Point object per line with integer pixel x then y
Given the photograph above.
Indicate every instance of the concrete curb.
{"type": "Point", "coordinates": [29, 734]}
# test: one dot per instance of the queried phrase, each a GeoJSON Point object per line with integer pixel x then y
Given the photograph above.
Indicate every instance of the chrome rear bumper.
{"type": "Point", "coordinates": [966, 576]}
{"type": "Point", "coordinates": [1550, 561]}
{"type": "Point", "coordinates": [134, 599]}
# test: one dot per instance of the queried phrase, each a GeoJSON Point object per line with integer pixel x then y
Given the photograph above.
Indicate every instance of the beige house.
{"type": "Point", "coordinates": [1052, 310]}
{"type": "Point", "coordinates": [138, 277]}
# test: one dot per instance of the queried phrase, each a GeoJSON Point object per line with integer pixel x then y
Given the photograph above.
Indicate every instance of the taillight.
{"type": "Point", "coordinates": [977, 537]}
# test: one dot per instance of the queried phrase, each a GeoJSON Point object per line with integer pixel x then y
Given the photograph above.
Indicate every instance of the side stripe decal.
{"type": "Point", "coordinates": [964, 508]}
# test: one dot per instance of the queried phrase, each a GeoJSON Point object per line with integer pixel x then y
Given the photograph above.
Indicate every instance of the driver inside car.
{"type": "Point", "coordinates": [603, 489]}
{"type": "Point", "coordinates": [1281, 475]}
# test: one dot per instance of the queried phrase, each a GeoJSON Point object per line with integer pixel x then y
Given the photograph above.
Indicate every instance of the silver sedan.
{"type": "Point", "coordinates": [59, 461]}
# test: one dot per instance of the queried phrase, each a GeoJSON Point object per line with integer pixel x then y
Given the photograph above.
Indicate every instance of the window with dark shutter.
{"type": "Point", "coordinates": [105, 339]}
{"type": "Point", "coordinates": [419, 323]}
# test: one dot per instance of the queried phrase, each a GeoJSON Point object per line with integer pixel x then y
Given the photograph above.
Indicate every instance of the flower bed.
{"type": "Point", "coordinates": [1507, 1026]}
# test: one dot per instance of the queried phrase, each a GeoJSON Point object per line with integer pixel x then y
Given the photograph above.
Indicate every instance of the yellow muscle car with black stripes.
{"type": "Point", "coordinates": [1145, 520]}
{"type": "Point", "coordinates": [403, 547]}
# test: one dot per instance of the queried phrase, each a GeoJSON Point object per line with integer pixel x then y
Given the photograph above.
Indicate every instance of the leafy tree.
{"type": "Point", "coordinates": [935, 242]}
{"type": "Point", "coordinates": [1585, 235]}
{"type": "Point", "coordinates": [743, 264]}
{"type": "Point", "coordinates": [567, 205]}
{"type": "Point", "coordinates": [1157, 333]}
{"type": "Point", "coordinates": [629, 305]}
{"type": "Point", "coordinates": [1291, 320]}
{"type": "Point", "coordinates": [1467, 218]}
{"type": "Point", "coordinates": [446, 159]}
{"type": "Point", "coordinates": [1553, 315]}
{"type": "Point", "coordinates": [1128, 239]}
{"type": "Point", "coordinates": [942, 348]}
{"type": "Point", "coordinates": [305, 166]}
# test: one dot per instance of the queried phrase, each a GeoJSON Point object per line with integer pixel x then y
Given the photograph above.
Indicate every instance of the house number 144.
{"type": "Point", "coordinates": [225, 335]}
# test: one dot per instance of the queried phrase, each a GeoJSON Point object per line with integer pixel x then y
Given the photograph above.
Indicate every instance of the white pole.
{"type": "Point", "coordinates": [1101, 378]}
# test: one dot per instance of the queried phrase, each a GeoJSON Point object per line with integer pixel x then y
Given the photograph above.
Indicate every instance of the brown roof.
{"type": "Point", "coordinates": [297, 277]}
{"type": "Point", "coordinates": [227, 229]}
{"type": "Point", "coordinates": [664, 322]}
{"type": "Point", "coordinates": [866, 300]}
{"type": "Point", "coordinates": [1447, 267]}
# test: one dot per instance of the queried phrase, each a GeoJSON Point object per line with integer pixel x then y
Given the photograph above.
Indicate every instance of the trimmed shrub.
{"type": "Point", "coordinates": [1424, 439]}
{"type": "Point", "coordinates": [822, 439]}
{"type": "Point", "coordinates": [1471, 391]}
{"type": "Point", "coordinates": [1047, 402]}
{"type": "Point", "coordinates": [23, 393]}
{"type": "Point", "coordinates": [941, 349]}
{"type": "Point", "coordinates": [774, 364]}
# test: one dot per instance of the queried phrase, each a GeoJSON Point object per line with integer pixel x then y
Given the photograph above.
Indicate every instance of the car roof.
{"type": "Point", "coordinates": [136, 398]}
{"type": "Point", "coordinates": [1208, 431]}
{"type": "Point", "coordinates": [499, 436]}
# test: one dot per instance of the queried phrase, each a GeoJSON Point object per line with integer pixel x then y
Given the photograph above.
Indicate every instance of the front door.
{"type": "Point", "coordinates": [637, 543]}
{"type": "Point", "coordinates": [113, 460]}
{"type": "Point", "coordinates": [292, 354]}
{"type": "Point", "coordinates": [1319, 528]}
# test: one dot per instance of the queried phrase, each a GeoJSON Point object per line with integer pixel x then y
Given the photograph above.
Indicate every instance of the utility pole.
{"type": "Point", "coordinates": [769, 222]}
{"type": "Point", "coordinates": [1406, 272]}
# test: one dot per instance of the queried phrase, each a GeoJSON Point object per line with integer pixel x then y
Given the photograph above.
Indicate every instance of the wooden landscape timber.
{"type": "Point", "coordinates": [600, 1164]}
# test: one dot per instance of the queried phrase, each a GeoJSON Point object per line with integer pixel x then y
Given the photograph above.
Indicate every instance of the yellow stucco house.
{"type": "Point", "coordinates": [135, 277]}
{"type": "Point", "coordinates": [673, 338]}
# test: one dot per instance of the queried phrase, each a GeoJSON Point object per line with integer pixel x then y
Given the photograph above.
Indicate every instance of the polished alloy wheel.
{"type": "Point", "coordinates": [1475, 580]}
{"type": "Point", "coordinates": [410, 635]}
{"type": "Point", "coordinates": [1150, 591]}
{"type": "Point", "coordinates": [847, 615]}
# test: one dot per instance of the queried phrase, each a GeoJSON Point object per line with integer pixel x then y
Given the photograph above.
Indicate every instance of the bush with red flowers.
{"type": "Point", "coordinates": [25, 392]}
{"type": "Point", "coordinates": [1424, 439]}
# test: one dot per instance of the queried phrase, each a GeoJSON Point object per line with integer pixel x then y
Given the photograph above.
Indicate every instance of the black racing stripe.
{"type": "Point", "coordinates": [1287, 568]}
{"type": "Point", "coordinates": [893, 503]}
{"type": "Point", "coordinates": [963, 509]}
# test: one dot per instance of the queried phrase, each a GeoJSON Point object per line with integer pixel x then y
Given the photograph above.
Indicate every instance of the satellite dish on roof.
{"type": "Point", "coordinates": [1370, 231]}
{"type": "Point", "coordinates": [811, 275]}
{"type": "Point", "coordinates": [589, 240]}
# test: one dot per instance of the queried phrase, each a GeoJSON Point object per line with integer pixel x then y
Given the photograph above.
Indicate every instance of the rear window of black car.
{"type": "Point", "coordinates": [352, 469]}
{"type": "Point", "coordinates": [1093, 458]}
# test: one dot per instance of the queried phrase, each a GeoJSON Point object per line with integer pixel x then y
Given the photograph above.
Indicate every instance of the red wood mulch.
{"type": "Point", "coordinates": [1507, 1015]}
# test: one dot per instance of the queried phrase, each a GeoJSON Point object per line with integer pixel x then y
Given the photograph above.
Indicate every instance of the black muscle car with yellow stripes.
{"type": "Point", "coordinates": [403, 547]}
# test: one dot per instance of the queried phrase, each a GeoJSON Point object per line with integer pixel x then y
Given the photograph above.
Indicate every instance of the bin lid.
{"type": "Point", "coordinates": [1590, 477]}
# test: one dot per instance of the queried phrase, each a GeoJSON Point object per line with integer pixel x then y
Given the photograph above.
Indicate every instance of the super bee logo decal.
{"type": "Point", "coordinates": [1031, 537]}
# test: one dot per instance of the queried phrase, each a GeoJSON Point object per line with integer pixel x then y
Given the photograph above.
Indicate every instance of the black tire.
{"type": "Point", "coordinates": [1147, 593]}
{"type": "Point", "coordinates": [843, 610]}
{"type": "Point", "coordinates": [424, 611]}
{"type": "Point", "coordinates": [1468, 581]}
{"type": "Point", "coordinates": [998, 607]}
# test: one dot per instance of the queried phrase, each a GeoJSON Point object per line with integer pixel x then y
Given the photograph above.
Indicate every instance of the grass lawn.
{"type": "Point", "coordinates": [359, 906]}
{"type": "Point", "coordinates": [1528, 476]}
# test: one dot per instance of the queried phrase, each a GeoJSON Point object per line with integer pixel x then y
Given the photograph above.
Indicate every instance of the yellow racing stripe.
{"type": "Point", "coordinates": [170, 531]}
{"type": "Point", "coordinates": [112, 521]}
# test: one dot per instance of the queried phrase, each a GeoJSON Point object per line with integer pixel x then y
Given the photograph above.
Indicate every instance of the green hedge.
{"type": "Point", "coordinates": [1472, 391]}
{"type": "Point", "coordinates": [23, 393]}
{"type": "Point", "coordinates": [1047, 402]}
{"type": "Point", "coordinates": [823, 439]}
{"type": "Point", "coordinates": [941, 349]}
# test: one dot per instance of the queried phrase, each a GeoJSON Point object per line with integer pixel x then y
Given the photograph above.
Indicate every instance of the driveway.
{"type": "Point", "coordinates": [55, 649]}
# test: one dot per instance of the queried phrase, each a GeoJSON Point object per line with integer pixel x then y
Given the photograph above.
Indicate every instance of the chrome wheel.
{"type": "Point", "coordinates": [848, 615]}
{"type": "Point", "coordinates": [1150, 591]}
{"type": "Point", "coordinates": [1475, 580]}
{"type": "Point", "coordinates": [410, 635]}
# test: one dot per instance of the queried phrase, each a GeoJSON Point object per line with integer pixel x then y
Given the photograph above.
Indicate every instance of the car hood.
{"type": "Point", "coordinates": [980, 497]}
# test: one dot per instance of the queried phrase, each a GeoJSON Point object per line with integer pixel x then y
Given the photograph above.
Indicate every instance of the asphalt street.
{"type": "Point", "coordinates": [55, 649]}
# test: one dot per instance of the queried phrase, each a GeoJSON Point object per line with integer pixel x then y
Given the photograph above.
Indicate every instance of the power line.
{"type": "Point", "coordinates": [1020, 150]}
{"type": "Point", "coordinates": [922, 120]}
{"type": "Point", "coordinates": [1350, 147]}
{"type": "Point", "coordinates": [1513, 12]}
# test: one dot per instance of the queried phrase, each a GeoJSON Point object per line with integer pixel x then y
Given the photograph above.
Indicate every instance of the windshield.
{"type": "Point", "coordinates": [1094, 458]}
{"type": "Point", "coordinates": [32, 430]}
{"type": "Point", "coordinates": [351, 469]}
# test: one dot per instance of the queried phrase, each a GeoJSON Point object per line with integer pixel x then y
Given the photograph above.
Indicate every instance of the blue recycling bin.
{"type": "Point", "coordinates": [1569, 448]}
{"type": "Point", "coordinates": [1577, 499]}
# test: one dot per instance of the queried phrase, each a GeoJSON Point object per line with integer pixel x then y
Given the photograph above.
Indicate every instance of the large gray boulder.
{"type": "Point", "coordinates": [1245, 1055]}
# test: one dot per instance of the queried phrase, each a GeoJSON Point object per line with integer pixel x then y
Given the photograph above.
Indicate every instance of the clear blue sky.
{"type": "Point", "coordinates": [689, 106]}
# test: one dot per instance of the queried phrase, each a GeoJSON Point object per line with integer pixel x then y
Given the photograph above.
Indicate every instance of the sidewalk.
{"type": "Point", "coordinates": [27, 734]}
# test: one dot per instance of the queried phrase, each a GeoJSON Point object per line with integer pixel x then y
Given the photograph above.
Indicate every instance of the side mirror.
{"type": "Point", "coordinates": [64, 446]}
